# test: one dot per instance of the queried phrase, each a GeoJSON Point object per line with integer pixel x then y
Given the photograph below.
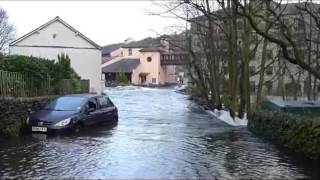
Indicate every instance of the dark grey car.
{"type": "Point", "coordinates": [71, 112]}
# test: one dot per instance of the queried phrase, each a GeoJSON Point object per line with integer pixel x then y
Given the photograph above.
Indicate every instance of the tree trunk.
{"type": "Point", "coordinates": [232, 63]}
{"type": "Point", "coordinates": [314, 90]}
{"type": "Point", "coordinates": [297, 87]}
{"type": "Point", "coordinates": [242, 91]}
{"type": "Point", "coordinates": [309, 81]}
{"type": "Point", "coordinates": [261, 74]}
{"type": "Point", "coordinates": [246, 41]}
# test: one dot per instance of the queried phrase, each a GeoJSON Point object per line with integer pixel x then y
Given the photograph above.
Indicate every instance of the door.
{"type": "Point", "coordinates": [107, 109]}
{"type": "Point", "coordinates": [91, 112]}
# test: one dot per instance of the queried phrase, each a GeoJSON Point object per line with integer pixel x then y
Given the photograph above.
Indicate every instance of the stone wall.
{"type": "Point", "coordinates": [14, 112]}
{"type": "Point", "coordinates": [296, 133]}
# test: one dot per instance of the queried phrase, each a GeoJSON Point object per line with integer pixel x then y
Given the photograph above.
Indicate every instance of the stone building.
{"type": "Point", "coordinates": [280, 75]}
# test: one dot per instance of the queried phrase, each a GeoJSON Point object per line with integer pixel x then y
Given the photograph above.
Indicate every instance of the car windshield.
{"type": "Point", "coordinates": [66, 104]}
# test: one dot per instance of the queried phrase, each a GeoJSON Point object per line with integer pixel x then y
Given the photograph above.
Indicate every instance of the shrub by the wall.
{"type": "Point", "coordinates": [296, 133]}
{"type": "Point", "coordinates": [39, 70]}
{"type": "Point", "coordinates": [121, 78]}
{"type": "Point", "coordinates": [14, 113]}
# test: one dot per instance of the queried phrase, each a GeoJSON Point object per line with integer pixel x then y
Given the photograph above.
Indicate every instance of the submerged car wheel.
{"type": "Point", "coordinates": [77, 127]}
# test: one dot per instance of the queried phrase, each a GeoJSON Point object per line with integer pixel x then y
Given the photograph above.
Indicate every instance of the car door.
{"type": "Point", "coordinates": [107, 108]}
{"type": "Point", "coordinates": [91, 116]}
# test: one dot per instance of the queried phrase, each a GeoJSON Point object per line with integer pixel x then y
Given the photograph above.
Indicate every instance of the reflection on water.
{"type": "Point", "coordinates": [160, 134]}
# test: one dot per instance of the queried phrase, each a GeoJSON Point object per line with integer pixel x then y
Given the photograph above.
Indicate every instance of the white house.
{"type": "Point", "coordinates": [55, 37]}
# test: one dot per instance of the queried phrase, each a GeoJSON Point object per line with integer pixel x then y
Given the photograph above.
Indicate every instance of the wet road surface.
{"type": "Point", "coordinates": [160, 135]}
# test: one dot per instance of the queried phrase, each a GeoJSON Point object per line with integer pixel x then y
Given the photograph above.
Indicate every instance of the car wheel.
{"type": "Point", "coordinates": [78, 127]}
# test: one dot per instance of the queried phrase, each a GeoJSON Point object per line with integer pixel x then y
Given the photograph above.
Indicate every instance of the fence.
{"type": "Point", "coordinates": [13, 84]}
{"type": "Point", "coordinates": [67, 86]}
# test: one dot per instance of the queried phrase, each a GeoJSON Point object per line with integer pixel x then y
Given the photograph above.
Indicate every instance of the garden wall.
{"type": "Point", "coordinates": [14, 111]}
{"type": "Point", "coordinates": [296, 133]}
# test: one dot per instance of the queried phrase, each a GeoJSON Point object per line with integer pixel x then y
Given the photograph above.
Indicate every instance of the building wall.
{"type": "Point", "coordinates": [162, 74]}
{"type": "Point", "coordinates": [171, 74]}
{"type": "Point", "coordinates": [135, 52]}
{"type": "Point", "coordinates": [116, 52]}
{"type": "Point", "coordinates": [285, 79]}
{"type": "Point", "coordinates": [57, 38]}
{"type": "Point", "coordinates": [86, 62]}
{"type": "Point", "coordinates": [63, 37]}
{"type": "Point", "coordinates": [153, 68]}
{"type": "Point", "coordinates": [168, 75]}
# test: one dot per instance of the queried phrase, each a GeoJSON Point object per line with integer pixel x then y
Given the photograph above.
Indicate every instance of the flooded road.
{"type": "Point", "coordinates": [160, 135]}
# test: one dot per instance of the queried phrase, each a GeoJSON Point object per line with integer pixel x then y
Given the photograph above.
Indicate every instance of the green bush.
{"type": "Point", "coordinates": [197, 92]}
{"type": "Point", "coordinates": [298, 134]}
{"type": "Point", "coordinates": [40, 70]}
{"type": "Point", "coordinates": [64, 71]}
{"type": "Point", "coordinates": [121, 78]}
{"type": "Point", "coordinates": [14, 113]}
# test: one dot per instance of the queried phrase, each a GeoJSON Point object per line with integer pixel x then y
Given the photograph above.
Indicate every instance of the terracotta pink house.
{"type": "Point", "coordinates": [149, 62]}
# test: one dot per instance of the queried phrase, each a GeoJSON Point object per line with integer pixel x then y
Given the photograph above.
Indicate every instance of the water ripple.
{"type": "Point", "coordinates": [160, 134]}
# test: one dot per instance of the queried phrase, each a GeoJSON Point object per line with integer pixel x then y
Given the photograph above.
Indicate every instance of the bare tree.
{"type": "Point", "coordinates": [220, 66]}
{"type": "Point", "coordinates": [284, 37]}
{"type": "Point", "coordinates": [6, 31]}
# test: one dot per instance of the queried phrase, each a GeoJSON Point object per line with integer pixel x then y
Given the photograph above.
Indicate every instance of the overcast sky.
{"type": "Point", "coordinates": [104, 22]}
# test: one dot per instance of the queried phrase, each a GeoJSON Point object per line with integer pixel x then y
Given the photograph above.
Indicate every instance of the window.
{"type": "Point", "coordinates": [298, 24]}
{"type": "Point", "coordinates": [269, 87]}
{"type": "Point", "coordinates": [252, 86]}
{"type": "Point", "coordinates": [269, 54]}
{"type": "Point", "coordinates": [92, 104]}
{"type": "Point", "coordinates": [225, 70]}
{"type": "Point", "coordinates": [239, 24]}
{"type": "Point", "coordinates": [252, 70]}
{"type": "Point", "coordinates": [269, 71]}
{"type": "Point", "coordinates": [143, 78]}
{"type": "Point", "coordinates": [286, 21]}
{"type": "Point", "coordinates": [105, 102]}
{"type": "Point", "coordinates": [130, 52]}
{"type": "Point", "coordinates": [154, 80]}
{"type": "Point", "coordinates": [66, 104]}
{"type": "Point", "coordinates": [254, 37]}
{"type": "Point", "coordinates": [149, 59]}
{"type": "Point", "coordinates": [292, 88]}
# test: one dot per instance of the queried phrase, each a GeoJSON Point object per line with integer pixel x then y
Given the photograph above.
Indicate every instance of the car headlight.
{"type": "Point", "coordinates": [63, 122]}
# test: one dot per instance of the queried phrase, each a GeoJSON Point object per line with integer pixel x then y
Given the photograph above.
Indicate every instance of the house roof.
{"type": "Point", "coordinates": [124, 65]}
{"type": "Point", "coordinates": [106, 59]}
{"type": "Point", "coordinates": [144, 43]}
{"type": "Point", "coordinates": [111, 47]}
{"type": "Point", "coordinates": [176, 43]}
{"type": "Point", "coordinates": [151, 49]}
{"type": "Point", "coordinates": [294, 8]}
{"type": "Point", "coordinates": [57, 18]}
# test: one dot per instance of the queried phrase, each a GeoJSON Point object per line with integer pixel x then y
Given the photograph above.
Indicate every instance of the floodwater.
{"type": "Point", "coordinates": [160, 135]}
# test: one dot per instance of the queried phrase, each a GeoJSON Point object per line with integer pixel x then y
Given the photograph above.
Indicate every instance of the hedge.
{"type": "Point", "coordinates": [39, 70]}
{"type": "Point", "coordinates": [14, 113]}
{"type": "Point", "coordinates": [296, 133]}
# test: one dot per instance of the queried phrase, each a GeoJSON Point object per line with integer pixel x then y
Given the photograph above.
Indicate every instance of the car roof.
{"type": "Point", "coordinates": [87, 95]}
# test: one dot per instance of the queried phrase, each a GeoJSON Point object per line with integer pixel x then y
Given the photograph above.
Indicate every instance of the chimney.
{"type": "Point", "coordinates": [129, 40]}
